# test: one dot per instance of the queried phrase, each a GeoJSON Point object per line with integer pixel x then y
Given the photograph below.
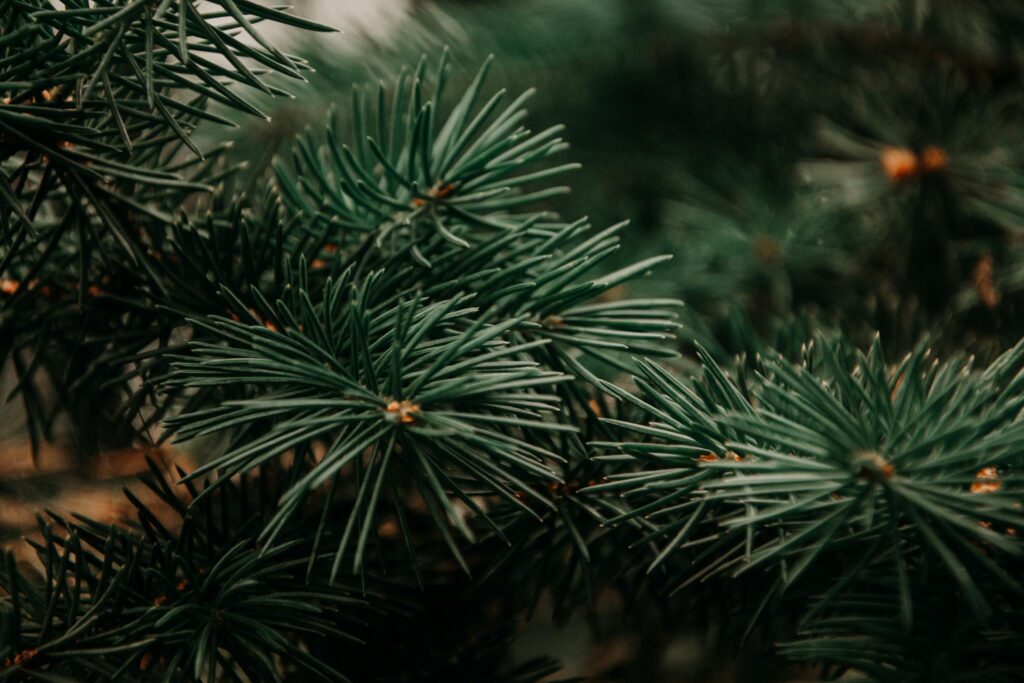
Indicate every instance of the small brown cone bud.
{"type": "Point", "coordinates": [899, 163]}
{"type": "Point", "coordinates": [933, 159]}
{"type": "Point", "coordinates": [403, 412]}
{"type": "Point", "coordinates": [986, 481]}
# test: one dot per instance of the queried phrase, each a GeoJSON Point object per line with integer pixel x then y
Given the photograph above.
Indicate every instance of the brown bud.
{"type": "Point", "coordinates": [899, 163]}
{"type": "Point", "coordinates": [404, 411]}
{"type": "Point", "coordinates": [933, 159]}
{"type": "Point", "coordinates": [986, 481]}
{"type": "Point", "coordinates": [441, 191]}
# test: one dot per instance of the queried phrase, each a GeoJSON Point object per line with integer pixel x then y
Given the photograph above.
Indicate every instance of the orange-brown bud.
{"type": "Point", "coordinates": [899, 163]}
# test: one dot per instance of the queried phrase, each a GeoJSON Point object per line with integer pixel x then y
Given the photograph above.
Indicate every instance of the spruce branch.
{"type": "Point", "coordinates": [99, 103]}
{"type": "Point", "coordinates": [947, 642]}
{"type": "Point", "coordinates": [407, 167]}
{"type": "Point", "coordinates": [422, 387]}
{"type": "Point", "coordinates": [837, 460]}
{"type": "Point", "coordinates": [450, 368]}
{"type": "Point", "coordinates": [187, 595]}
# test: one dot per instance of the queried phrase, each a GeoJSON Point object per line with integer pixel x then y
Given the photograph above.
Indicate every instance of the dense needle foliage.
{"type": "Point", "coordinates": [840, 477]}
{"type": "Point", "coordinates": [427, 404]}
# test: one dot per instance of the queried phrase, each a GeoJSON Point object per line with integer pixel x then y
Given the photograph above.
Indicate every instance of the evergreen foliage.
{"type": "Point", "coordinates": [426, 407]}
{"type": "Point", "coordinates": [884, 132]}
{"type": "Point", "coordinates": [841, 477]}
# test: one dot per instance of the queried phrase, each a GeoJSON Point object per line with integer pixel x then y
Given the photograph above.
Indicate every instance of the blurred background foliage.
{"type": "Point", "coordinates": [843, 164]}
